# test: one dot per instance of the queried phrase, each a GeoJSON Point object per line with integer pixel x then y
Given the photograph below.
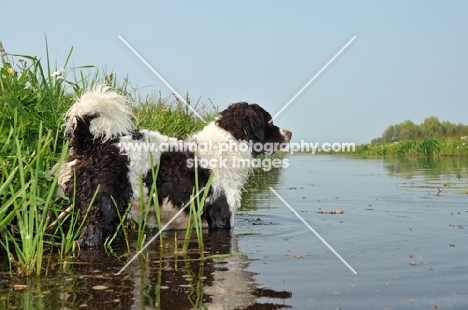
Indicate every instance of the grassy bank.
{"type": "Point", "coordinates": [33, 98]}
{"type": "Point", "coordinates": [445, 146]}
{"type": "Point", "coordinates": [449, 146]}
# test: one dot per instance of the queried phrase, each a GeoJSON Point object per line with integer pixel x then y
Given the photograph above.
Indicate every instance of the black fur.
{"type": "Point", "coordinates": [176, 182]}
{"type": "Point", "coordinates": [250, 122]}
{"type": "Point", "coordinates": [98, 165]}
{"type": "Point", "coordinates": [217, 213]}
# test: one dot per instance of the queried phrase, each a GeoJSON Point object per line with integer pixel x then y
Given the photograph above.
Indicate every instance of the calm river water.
{"type": "Point", "coordinates": [402, 226]}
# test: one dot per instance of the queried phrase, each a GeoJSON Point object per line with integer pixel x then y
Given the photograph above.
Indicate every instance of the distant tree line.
{"type": "Point", "coordinates": [431, 128]}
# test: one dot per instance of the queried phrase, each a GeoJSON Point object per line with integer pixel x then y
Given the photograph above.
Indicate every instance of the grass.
{"type": "Point", "coordinates": [195, 215]}
{"type": "Point", "coordinates": [33, 98]}
{"type": "Point", "coordinates": [27, 196]}
{"type": "Point", "coordinates": [170, 116]}
{"type": "Point", "coordinates": [145, 207]}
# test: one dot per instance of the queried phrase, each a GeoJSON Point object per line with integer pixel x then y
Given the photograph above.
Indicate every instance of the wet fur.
{"type": "Point", "coordinates": [99, 124]}
{"type": "Point", "coordinates": [239, 123]}
{"type": "Point", "coordinates": [100, 168]}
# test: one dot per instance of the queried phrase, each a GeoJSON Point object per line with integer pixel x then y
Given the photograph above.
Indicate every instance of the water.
{"type": "Point", "coordinates": [404, 236]}
{"type": "Point", "coordinates": [403, 229]}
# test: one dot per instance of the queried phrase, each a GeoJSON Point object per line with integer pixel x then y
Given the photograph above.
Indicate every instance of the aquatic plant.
{"type": "Point", "coordinates": [195, 215]}
{"type": "Point", "coordinates": [33, 98]}
{"type": "Point", "coordinates": [427, 147]}
{"type": "Point", "coordinates": [29, 195]}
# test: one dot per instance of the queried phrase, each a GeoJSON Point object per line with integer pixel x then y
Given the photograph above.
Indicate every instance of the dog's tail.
{"type": "Point", "coordinates": [110, 115]}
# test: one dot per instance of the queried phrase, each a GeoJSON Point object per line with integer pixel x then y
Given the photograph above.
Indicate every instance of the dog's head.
{"type": "Point", "coordinates": [251, 123]}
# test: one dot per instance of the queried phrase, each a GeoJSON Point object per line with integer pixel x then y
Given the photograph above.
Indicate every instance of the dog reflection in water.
{"type": "Point", "coordinates": [168, 279]}
{"type": "Point", "coordinates": [218, 283]}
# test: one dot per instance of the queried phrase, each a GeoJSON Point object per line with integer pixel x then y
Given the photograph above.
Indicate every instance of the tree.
{"type": "Point", "coordinates": [409, 130]}
{"type": "Point", "coordinates": [449, 129]}
{"type": "Point", "coordinates": [461, 130]}
{"type": "Point", "coordinates": [391, 134]}
{"type": "Point", "coordinates": [431, 128]}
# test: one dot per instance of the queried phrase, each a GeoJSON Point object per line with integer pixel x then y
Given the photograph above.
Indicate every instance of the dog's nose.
{"type": "Point", "coordinates": [286, 133]}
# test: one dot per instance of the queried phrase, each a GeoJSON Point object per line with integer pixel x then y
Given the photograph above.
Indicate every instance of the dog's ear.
{"type": "Point", "coordinates": [258, 124]}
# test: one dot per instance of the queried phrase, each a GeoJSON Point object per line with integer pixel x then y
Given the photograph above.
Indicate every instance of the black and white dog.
{"type": "Point", "coordinates": [109, 157]}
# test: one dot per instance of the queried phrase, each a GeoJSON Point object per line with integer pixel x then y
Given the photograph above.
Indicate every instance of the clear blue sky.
{"type": "Point", "coordinates": [409, 60]}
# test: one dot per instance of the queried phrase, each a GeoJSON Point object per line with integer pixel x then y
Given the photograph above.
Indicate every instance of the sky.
{"type": "Point", "coordinates": [408, 60]}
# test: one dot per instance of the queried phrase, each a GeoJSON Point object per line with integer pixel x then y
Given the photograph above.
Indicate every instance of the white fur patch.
{"type": "Point", "coordinates": [66, 172]}
{"type": "Point", "coordinates": [140, 153]}
{"type": "Point", "coordinates": [114, 116]}
{"type": "Point", "coordinates": [229, 177]}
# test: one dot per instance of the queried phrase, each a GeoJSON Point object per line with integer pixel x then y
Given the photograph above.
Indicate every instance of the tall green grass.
{"type": "Point", "coordinates": [27, 197]}
{"type": "Point", "coordinates": [195, 215]}
{"type": "Point", "coordinates": [33, 98]}
{"type": "Point", "coordinates": [34, 95]}
{"type": "Point", "coordinates": [170, 116]}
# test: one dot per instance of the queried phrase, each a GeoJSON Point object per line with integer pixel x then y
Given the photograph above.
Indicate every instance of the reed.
{"type": "Point", "coordinates": [195, 221]}
{"type": "Point", "coordinates": [30, 199]}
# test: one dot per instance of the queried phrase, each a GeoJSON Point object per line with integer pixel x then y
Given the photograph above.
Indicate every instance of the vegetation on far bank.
{"type": "Point", "coordinates": [430, 138]}
{"type": "Point", "coordinates": [430, 128]}
{"type": "Point", "coordinates": [447, 146]}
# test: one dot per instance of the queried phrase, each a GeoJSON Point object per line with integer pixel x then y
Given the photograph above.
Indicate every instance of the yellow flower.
{"type": "Point", "coordinates": [10, 71]}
